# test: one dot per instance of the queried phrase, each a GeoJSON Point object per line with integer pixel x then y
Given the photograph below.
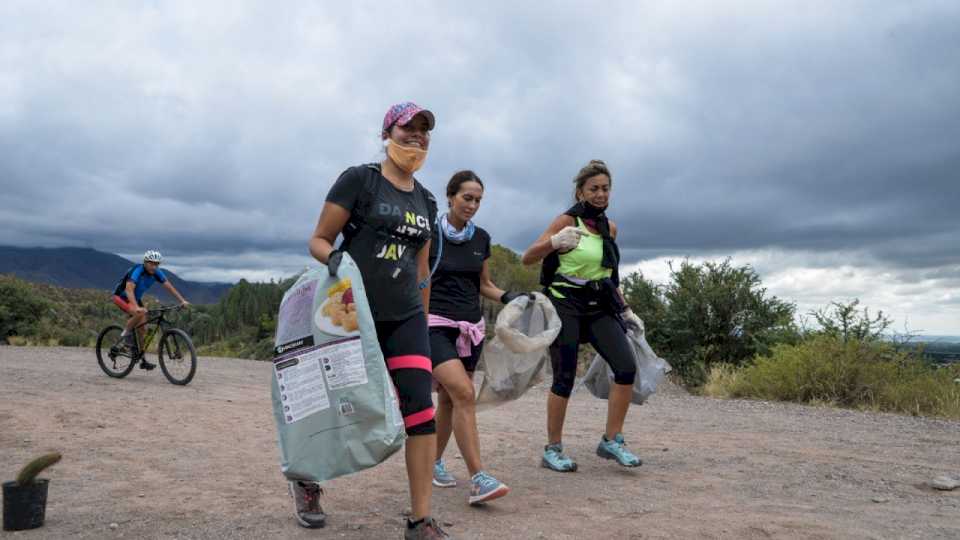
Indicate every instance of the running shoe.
{"type": "Point", "coordinates": [146, 365]}
{"type": "Point", "coordinates": [306, 496]}
{"type": "Point", "coordinates": [554, 459]}
{"type": "Point", "coordinates": [426, 529]}
{"type": "Point", "coordinates": [617, 449]}
{"type": "Point", "coordinates": [485, 488]}
{"type": "Point", "coordinates": [441, 478]}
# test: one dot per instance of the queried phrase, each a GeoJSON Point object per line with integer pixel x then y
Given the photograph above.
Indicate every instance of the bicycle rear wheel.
{"type": "Point", "coordinates": [178, 357]}
{"type": "Point", "coordinates": [113, 355]}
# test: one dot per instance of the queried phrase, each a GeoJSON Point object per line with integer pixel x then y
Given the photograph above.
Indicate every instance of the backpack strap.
{"type": "Point", "coordinates": [361, 208]}
{"type": "Point", "coordinates": [433, 217]}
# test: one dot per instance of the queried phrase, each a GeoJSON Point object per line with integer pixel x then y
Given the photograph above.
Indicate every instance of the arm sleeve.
{"type": "Point", "coordinates": [346, 190]}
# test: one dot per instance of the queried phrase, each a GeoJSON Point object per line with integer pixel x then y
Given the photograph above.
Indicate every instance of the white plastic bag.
{"type": "Point", "coordinates": [513, 361]}
{"type": "Point", "coordinates": [651, 369]}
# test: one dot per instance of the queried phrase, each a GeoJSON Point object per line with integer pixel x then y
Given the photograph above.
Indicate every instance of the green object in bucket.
{"type": "Point", "coordinates": [25, 499]}
{"type": "Point", "coordinates": [31, 470]}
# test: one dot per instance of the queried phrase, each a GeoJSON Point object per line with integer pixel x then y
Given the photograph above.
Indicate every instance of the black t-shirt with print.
{"type": "Point", "coordinates": [455, 287]}
{"type": "Point", "coordinates": [387, 228]}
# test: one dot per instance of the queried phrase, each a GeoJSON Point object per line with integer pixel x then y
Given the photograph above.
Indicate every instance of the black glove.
{"type": "Point", "coordinates": [333, 262]}
{"type": "Point", "coordinates": [508, 297]}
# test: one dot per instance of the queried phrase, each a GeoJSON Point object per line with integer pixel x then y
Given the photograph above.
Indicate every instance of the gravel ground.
{"type": "Point", "coordinates": [146, 459]}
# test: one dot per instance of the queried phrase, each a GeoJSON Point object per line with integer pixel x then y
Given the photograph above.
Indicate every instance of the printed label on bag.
{"type": "Point", "coordinates": [294, 321]}
{"type": "Point", "coordinates": [342, 363]}
{"type": "Point", "coordinates": [346, 408]}
{"type": "Point", "coordinates": [302, 389]}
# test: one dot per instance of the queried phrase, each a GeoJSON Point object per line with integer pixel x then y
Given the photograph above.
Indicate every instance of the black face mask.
{"type": "Point", "coordinates": [590, 211]}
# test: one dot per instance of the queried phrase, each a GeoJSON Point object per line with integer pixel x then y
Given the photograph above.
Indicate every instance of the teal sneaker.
{"type": "Point", "coordinates": [554, 459]}
{"type": "Point", "coordinates": [441, 478]}
{"type": "Point", "coordinates": [484, 488]}
{"type": "Point", "coordinates": [617, 449]}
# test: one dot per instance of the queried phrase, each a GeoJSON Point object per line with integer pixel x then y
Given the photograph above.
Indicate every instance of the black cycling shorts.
{"type": "Point", "coordinates": [406, 350]}
{"type": "Point", "coordinates": [443, 347]}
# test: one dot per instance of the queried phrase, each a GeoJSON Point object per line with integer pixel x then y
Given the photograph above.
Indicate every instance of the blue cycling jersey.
{"type": "Point", "coordinates": [142, 279]}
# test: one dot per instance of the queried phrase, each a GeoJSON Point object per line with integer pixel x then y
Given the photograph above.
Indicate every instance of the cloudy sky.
{"type": "Point", "coordinates": [817, 141]}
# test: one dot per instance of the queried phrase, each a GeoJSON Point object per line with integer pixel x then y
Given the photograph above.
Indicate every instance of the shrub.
{"type": "Point", "coordinates": [710, 314]}
{"type": "Point", "coordinates": [858, 374]}
{"type": "Point", "coordinates": [845, 321]}
{"type": "Point", "coordinates": [20, 308]}
{"type": "Point", "coordinates": [721, 381]}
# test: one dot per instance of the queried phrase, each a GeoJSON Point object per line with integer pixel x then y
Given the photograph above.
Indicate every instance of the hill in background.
{"type": "Point", "coordinates": [87, 268]}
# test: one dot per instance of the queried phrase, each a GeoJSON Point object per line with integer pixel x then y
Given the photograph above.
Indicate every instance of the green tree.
{"type": "Point", "coordinates": [719, 313]}
{"type": "Point", "coordinates": [846, 322]}
{"type": "Point", "coordinates": [647, 301]}
{"type": "Point", "coordinates": [20, 308]}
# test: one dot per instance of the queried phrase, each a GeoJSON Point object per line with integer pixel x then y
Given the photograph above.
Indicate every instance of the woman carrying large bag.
{"type": "Point", "coordinates": [386, 216]}
{"type": "Point", "coordinates": [580, 276]}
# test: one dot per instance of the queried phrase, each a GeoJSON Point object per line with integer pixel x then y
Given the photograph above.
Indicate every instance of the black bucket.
{"type": "Point", "coordinates": [24, 507]}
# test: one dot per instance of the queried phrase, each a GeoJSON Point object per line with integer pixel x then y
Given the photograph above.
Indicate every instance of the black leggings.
{"type": "Point", "coordinates": [406, 350]}
{"type": "Point", "coordinates": [607, 337]}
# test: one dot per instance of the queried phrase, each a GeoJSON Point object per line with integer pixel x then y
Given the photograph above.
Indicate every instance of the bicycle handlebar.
{"type": "Point", "coordinates": [164, 309]}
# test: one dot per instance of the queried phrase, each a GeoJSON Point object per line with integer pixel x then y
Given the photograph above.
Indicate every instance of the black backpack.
{"type": "Point", "coordinates": [365, 201]}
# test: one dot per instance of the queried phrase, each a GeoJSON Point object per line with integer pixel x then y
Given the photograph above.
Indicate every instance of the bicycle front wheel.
{"type": "Point", "coordinates": [113, 355]}
{"type": "Point", "coordinates": [178, 357]}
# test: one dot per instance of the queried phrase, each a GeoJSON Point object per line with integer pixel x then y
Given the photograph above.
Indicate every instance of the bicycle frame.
{"type": "Point", "coordinates": [176, 353]}
{"type": "Point", "coordinates": [156, 318]}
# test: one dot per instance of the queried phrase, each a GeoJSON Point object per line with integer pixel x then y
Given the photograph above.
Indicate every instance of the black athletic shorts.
{"type": "Point", "coordinates": [443, 347]}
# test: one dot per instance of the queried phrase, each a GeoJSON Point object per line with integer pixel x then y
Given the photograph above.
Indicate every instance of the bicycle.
{"type": "Point", "coordinates": [176, 353]}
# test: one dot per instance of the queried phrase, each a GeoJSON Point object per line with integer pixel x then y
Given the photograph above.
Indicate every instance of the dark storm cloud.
{"type": "Point", "coordinates": [811, 126]}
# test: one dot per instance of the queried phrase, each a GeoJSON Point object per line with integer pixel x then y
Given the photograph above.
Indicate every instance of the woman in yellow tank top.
{"type": "Point", "coordinates": [580, 276]}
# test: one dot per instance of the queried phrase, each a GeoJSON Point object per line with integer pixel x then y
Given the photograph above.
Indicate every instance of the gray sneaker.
{"type": "Point", "coordinates": [484, 488]}
{"type": "Point", "coordinates": [441, 478]}
{"type": "Point", "coordinates": [307, 495]}
{"type": "Point", "coordinates": [428, 529]}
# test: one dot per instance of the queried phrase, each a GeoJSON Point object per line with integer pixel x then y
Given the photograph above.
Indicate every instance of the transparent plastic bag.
{"type": "Point", "coordinates": [516, 358]}
{"type": "Point", "coordinates": [651, 369]}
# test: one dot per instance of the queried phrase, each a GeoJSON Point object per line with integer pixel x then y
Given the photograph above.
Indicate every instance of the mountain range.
{"type": "Point", "coordinates": [87, 268]}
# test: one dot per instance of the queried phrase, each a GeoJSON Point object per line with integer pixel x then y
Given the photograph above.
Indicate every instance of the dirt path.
{"type": "Point", "coordinates": [161, 461]}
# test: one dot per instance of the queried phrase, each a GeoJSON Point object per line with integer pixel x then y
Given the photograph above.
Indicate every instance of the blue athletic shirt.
{"type": "Point", "coordinates": [143, 280]}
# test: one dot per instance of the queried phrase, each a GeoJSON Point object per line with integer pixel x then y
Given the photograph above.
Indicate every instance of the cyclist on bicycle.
{"type": "Point", "coordinates": [134, 283]}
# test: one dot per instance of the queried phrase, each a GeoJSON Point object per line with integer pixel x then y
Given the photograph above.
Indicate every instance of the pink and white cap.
{"type": "Point", "coordinates": [401, 113]}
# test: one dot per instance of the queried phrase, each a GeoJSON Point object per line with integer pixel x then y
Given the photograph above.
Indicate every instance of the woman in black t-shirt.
{"type": "Point", "coordinates": [457, 330]}
{"type": "Point", "coordinates": [386, 216]}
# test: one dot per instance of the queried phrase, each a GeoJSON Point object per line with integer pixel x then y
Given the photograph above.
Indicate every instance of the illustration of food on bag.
{"type": "Point", "coordinates": [338, 313]}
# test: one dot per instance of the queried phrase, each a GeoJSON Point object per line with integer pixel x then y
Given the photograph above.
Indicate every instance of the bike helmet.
{"type": "Point", "coordinates": [153, 256]}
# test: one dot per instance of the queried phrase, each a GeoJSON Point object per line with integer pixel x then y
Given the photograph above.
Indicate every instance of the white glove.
{"type": "Point", "coordinates": [568, 238]}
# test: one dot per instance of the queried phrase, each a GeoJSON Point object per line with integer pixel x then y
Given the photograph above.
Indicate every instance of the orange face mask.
{"type": "Point", "coordinates": [408, 158]}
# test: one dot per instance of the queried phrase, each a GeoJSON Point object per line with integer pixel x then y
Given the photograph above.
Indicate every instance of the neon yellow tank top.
{"type": "Point", "coordinates": [583, 262]}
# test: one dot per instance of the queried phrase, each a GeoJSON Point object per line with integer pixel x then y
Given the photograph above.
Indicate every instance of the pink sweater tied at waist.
{"type": "Point", "coordinates": [470, 333]}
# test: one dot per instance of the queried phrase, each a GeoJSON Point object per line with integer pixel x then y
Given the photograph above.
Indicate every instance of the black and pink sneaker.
{"type": "Point", "coordinates": [307, 495]}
